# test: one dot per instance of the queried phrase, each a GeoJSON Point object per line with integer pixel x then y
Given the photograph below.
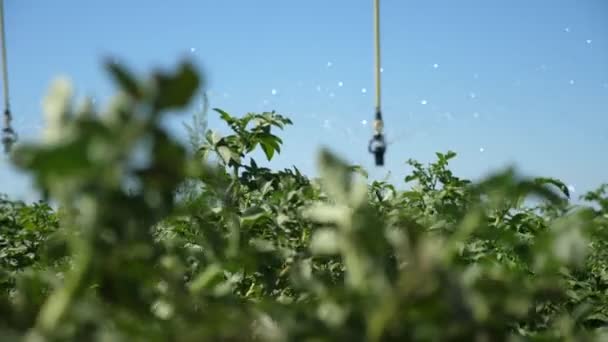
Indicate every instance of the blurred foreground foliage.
{"type": "Point", "coordinates": [154, 242]}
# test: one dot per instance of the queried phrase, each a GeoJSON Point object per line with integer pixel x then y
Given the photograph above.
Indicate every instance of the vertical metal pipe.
{"type": "Point", "coordinates": [8, 135]}
{"type": "Point", "coordinates": [4, 61]}
{"type": "Point", "coordinates": [377, 58]}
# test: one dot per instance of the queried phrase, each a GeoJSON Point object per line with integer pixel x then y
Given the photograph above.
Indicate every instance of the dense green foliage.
{"type": "Point", "coordinates": [155, 242]}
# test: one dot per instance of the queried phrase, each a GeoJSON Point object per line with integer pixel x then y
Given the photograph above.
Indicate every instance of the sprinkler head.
{"type": "Point", "coordinates": [377, 146]}
{"type": "Point", "coordinates": [9, 137]}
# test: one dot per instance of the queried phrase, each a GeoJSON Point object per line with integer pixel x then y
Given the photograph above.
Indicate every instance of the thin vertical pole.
{"type": "Point", "coordinates": [377, 59]}
{"type": "Point", "coordinates": [4, 61]}
{"type": "Point", "coordinates": [8, 135]}
{"type": "Point", "coordinates": [377, 145]}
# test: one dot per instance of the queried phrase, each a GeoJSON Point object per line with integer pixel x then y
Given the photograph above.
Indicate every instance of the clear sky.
{"type": "Point", "coordinates": [521, 82]}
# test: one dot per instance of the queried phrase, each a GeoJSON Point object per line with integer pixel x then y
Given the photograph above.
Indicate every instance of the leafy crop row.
{"type": "Point", "coordinates": [152, 241]}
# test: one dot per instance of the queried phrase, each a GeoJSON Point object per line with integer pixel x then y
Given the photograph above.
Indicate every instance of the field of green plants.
{"type": "Point", "coordinates": [156, 241]}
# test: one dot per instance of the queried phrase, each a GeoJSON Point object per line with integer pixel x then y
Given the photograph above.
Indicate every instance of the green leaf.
{"type": "Point", "coordinates": [67, 160]}
{"type": "Point", "coordinates": [325, 241]}
{"type": "Point", "coordinates": [270, 144]}
{"type": "Point", "coordinates": [263, 245]}
{"type": "Point", "coordinates": [268, 150]}
{"type": "Point", "coordinates": [225, 116]}
{"type": "Point", "coordinates": [225, 153]}
{"type": "Point", "coordinates": [210, 277]}
{"type": "Point", "coordinates": [251, 216]}
{"type": "Point", "coordinates": [556, 182]}
{"type": "Point", "coordinates": [336, 176]}
{"type": "Point", "coordinates": [215, 137]}
{"type": "Point", "coordinates": [127, 82]}
{"type": "Point", "coordinates": [325, 213]}
{"type": "Point", "coordinates": [176, 90]}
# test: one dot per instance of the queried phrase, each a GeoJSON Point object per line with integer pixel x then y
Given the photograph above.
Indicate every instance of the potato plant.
{"type": "Point", "coordinates": [154, 241]}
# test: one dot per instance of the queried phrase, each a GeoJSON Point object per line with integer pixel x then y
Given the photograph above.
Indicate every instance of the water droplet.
{"type": "Point", "coordinates": [364, 122]}
{"type": "Point", "coordinates": [193, 50]}
{"type": "Point", "coordinates": [571, 82]}
{"type": "Point", "coordinates": [571, 188]}
{"type": "Point", "coordinates": [265, 102]}
{"type": "Point", "coordinates": [476, 115]}
{"type": "Point", "coordinates": [381, 69]}
{"type": "Point", "coordinates": [318, 88]}
{"type": "Point", "coordinates": [589, 41]}
{"type": "Point", "coordinates": [273, 92]}
{"type": "Point", "coordinates": [363, 90]}
{"type": "Point", "coordinates": [423, 102]}
{"type": "Point", "coordinates": [329, 64]}
{"type": "Point", "coordinates": [472, 95]}
{"type": "Point", "coordinates": [326, 124]}
{"type": "Point", "coordinates": [481, 149]}
{"type": "Point", "coordinates": [340, 84]}
{"type": "Point", "coordinates": [435, 65]}
{"type": "Point", "coordinates": [332, 94]}
{"type": "Point", "coordinates": [567, 30]}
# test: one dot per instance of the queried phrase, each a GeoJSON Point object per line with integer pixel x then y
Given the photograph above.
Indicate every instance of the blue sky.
{"type": "Point", "coordinates": [522, 82]}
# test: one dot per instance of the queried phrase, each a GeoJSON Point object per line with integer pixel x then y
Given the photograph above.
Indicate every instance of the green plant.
{"type": "Point", "coordinates": [153, 243]}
